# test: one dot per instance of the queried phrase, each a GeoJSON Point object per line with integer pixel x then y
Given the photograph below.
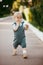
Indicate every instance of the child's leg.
{"type": "Point", "coordinates": [24, 53]}
{"type": "Point", "coordinates": [14, 52]}
{"type": "Point", "coordinates": [15, 45]}
{"type": "Point", "coordinates": [23, 44]}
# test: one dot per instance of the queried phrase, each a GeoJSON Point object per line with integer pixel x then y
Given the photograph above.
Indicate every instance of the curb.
{"type": "Point", "coordinates": [38, 33]}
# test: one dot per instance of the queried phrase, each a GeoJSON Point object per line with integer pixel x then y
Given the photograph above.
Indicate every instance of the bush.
{"type": "Point", "coordinates": [37, 19]}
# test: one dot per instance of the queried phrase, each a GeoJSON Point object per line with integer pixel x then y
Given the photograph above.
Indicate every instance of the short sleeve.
{"type": "Point", "coordinates": [25, 23]}
{"type": "Point", "coordinates": [14, 25]}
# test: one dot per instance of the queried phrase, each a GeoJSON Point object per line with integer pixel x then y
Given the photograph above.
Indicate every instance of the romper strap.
{"type": "Point", "coordinates": [22, 22]}
{"type": "Point", "coordinates": [14, 23]}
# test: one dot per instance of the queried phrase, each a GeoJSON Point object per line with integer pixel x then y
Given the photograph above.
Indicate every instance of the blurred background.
{"type": "Point", "coordinates": [32, 10]}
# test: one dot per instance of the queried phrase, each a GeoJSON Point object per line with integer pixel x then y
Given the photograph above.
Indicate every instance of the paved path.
{"type": "Point", "coordinates": [34, 48]}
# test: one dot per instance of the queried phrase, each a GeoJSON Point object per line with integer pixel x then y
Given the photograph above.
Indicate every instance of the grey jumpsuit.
{"type": "Point", "coordinates": [19, 36]}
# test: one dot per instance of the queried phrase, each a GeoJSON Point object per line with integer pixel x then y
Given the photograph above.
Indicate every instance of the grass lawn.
{"type": "Point", "coordinates": [34, 23]}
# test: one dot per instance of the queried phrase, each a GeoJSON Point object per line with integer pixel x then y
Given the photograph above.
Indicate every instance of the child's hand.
{"type": "Point", "coordinates": [26, 27]}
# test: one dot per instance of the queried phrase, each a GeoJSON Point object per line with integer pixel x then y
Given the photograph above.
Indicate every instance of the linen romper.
{"type": "Point", "coordinates": [19, 36]}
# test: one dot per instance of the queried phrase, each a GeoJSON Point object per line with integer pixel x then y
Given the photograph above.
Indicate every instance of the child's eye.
{"type": "Point", "coordinates": [19, 17]}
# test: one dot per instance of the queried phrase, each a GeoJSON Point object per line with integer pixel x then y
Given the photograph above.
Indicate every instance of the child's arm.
{"type": "Point", "coordinates": [26, 25]}
{"type": "Point", "coordinates": [15, 27]}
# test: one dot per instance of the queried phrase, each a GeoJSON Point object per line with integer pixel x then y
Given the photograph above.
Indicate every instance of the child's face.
{"type": "Point", "coordinates": [18, 18]}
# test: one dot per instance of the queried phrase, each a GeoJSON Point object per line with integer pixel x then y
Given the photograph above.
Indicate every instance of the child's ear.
{"type": "Point", "coordinates": [13, 16]}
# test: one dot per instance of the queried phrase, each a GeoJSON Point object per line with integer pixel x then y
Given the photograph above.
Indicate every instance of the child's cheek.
{"type": "Point", "coordinates": [19, 20]}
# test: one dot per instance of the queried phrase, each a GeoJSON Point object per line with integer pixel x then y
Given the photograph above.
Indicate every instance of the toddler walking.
{"type": "Point", "coordinates": [19, 27]}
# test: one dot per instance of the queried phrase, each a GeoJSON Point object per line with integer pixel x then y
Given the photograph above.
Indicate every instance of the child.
{"type": "Point", "coordinates": [19, 28]}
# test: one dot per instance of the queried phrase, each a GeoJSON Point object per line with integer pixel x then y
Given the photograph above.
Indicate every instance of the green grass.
{"type": "Point", "coordinates": [34, 23]}
{"type": "Point", "coordinates": [4, 15]}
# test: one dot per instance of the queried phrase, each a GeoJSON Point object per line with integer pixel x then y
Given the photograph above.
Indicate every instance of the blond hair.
{"type": "Point", "coordinates": [17, 13]}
